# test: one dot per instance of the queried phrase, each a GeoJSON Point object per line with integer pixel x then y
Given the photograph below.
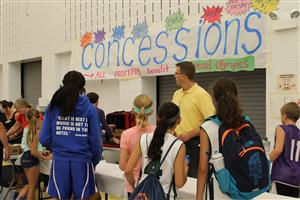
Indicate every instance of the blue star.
{"type": "Point", "coordinates": [118, 32]}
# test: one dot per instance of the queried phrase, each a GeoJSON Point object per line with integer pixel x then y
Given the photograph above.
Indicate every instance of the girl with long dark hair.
{"type": "Point", "coordinates": [72, 129]}
{"type": "Point", "coordinates": [225, 94]}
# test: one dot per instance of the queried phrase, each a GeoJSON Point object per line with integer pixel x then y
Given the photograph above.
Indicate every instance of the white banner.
{"type": "Point", "coordinates": [230, 43]}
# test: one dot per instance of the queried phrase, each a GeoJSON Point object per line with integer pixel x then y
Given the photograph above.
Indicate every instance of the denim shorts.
{"type": "Point", "coordinates": [28, 160]}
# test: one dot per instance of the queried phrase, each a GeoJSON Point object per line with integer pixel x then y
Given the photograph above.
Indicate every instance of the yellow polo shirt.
{"type": "Point", "coordinates": [195, 106]}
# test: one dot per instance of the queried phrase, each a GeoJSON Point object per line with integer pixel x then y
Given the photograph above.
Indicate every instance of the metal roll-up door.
{"type": "Point", "coordinates": [251, 85]}
{"type": "Point", "coordinates": [31, 82]}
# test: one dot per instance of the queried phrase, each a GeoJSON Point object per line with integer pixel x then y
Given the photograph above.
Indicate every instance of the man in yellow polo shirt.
{"type": "Point", "coordinates": [195, 106]}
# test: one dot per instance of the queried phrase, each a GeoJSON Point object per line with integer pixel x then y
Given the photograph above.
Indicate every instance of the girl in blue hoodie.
{"type": "Point", "coordinates": [72, 130]}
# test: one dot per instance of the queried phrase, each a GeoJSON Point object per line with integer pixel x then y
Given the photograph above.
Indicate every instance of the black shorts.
{"type": "Point", "coordinates": [28, 160]}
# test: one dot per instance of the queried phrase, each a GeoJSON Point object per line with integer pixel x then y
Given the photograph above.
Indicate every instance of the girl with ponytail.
{"type": "Point", "coordinates": [31, 153]}
{"type": "Point", "coordinates": [15, 133]}
{"type": "Point", "coordinates": [153, 146]}
{"type": "Point", "coordinates": [142, 107]}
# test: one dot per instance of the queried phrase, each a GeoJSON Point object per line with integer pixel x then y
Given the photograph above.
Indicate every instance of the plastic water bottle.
{"type": "Point", "coordinates": [266, 144]}
{"type": "Point", "coordinates": [187, 159]}
{"type": "Point", "coordinates": [218, 161]}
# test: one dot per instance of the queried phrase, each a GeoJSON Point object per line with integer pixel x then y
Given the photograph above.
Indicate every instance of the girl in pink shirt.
{"type": "Point", "coordinates": [143, 109]}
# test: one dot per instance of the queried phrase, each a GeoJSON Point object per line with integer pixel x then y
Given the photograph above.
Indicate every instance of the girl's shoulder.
{"type": "Point", "coordinates": [129, 131]}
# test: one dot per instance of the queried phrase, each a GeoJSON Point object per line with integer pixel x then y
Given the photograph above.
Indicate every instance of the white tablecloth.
{"type": "Point", "coordinates": [110, 179]}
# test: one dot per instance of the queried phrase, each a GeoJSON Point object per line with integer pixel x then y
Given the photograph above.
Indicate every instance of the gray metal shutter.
{"type": "Point", "coordinates": [31, 82]}
{"type": "Point", "coordinates": [251, 85]}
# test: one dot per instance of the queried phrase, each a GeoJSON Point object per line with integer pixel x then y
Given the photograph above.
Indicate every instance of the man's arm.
{"type": "Point", "coordinates": [187, 136]}
{"type": "Point", "coordinates": [206, 106]}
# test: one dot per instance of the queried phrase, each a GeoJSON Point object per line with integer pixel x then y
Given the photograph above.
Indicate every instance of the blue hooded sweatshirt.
{"type": "Point", "coordinates": [76, 137]}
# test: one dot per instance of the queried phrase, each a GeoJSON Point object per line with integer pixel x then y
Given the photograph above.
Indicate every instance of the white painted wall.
{"type": "Point", "coordinates": [46, 30]}
{"type": "Point", "coordinates": [11, 77]}
{"type": "Point", "coordinates": [285, 59]}
{"type": "Point", "coordinates": [149, 88]}
{"type": "Point", "coordinates": [1, 82]}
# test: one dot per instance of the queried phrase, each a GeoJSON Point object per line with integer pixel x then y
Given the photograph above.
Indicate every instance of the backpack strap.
{"type": "Point", "coordinates": [210, 182]}
{"type": "Point", "coordinates": [214, 137]}
{"type": "Point", "coordinates": [214, 141]}
{"type": "Point", "coordinates": [141, 171]}
{"type": "Point", "coordinates": [165, 156]}
{"type": "Point", "coordinates": [172, 186]}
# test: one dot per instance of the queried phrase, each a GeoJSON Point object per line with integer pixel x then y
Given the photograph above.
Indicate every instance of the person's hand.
{"type": "Point", "coordinates": [49, 157]}
{"type": "Point", "coordinates": [184, 137]}
{"type": "Point", "coordinates": [13, 136]}
{"type": "Point", "coordinates": [6, 152]}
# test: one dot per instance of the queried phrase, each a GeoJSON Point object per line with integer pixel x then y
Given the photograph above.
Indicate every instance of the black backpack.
{"type": "Point", "coordinates": [246, 172]}
{"type": "Point", "coordinates": [150, 188]}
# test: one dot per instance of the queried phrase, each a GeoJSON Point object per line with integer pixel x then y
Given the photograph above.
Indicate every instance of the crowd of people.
{"type": "Point", "coordinates": [73, 129]}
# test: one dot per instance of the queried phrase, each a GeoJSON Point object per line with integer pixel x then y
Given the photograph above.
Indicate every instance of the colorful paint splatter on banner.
{"type": "Point", "coordinates": [212, 14]}
{"type": "Point", "coordinates": [237, 7]}
{"type": "Point", "coordinates": [86, 39]}
{"type": "Point", "coordinates": [99, 36]}
{"type": "Point", "coordinates": [139, 30]}
{"type": "Point", "coordinates": [265, 6]}
{"type": "Point", "coordinates": [118, 32]}
{"type": "Point", "coordinates": [174, 21]}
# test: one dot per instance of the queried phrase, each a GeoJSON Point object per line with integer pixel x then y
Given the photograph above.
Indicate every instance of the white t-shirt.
{"type": "Point", "coordinates": [168, 165]}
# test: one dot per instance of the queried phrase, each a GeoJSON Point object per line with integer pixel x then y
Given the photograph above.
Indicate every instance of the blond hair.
{"type": "Point", "coordinates": [292, 111]}
{"type": "Point", "coordinates": [142, 108]}
{"type": "Point", "coordinates": [32, 116]}
{"type": "Point", "coordinates": [23, 103]}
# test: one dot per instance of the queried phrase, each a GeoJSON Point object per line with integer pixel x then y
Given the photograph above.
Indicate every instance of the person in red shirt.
{"type": "Point", "coordinates": [22, 106]}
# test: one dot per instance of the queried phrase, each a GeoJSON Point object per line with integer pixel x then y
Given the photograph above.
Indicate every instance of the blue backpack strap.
{"type": "Point", "coordinates": [215, 119]}
{"type": "Point", "coordinates": [247, 118]}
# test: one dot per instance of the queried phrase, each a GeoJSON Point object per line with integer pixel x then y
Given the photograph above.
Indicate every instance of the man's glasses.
{"type": "Point", "coordinates": [177, 73]}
